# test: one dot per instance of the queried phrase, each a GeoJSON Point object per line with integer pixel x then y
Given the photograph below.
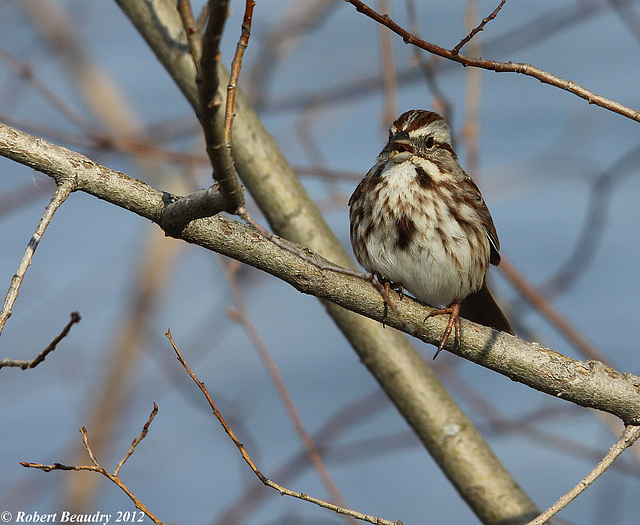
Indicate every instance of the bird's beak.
{"type": "Point", "coordinates": [401, 147]}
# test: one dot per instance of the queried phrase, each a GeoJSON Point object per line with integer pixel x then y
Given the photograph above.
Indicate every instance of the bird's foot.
{"type": "Point", "coordinates": [454, 320]}
{"type": "Point", "coordinates": [384, 286]}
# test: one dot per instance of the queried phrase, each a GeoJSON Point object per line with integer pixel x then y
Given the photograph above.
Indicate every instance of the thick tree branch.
{"type": "Point", "coordinates": [586, 383]}
{"type": "Point", "coordinates": [182, 210]}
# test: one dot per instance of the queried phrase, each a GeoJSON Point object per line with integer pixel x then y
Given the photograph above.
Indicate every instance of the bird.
{"type": "Point", "coordinates": [419, 223]}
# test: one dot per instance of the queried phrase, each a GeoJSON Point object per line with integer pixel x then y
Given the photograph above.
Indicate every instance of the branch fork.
{"type": "Point", "coordinates": [226, 193]}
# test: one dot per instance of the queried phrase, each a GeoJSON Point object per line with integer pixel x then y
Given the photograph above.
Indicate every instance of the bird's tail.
{"type": "Point", "coordinates": [482, 308]}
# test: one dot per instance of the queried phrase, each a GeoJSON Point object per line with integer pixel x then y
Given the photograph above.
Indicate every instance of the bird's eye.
{"type": "Point", "coordinates": [430, 142]}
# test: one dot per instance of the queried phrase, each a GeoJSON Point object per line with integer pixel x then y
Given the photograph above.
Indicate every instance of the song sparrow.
{"type": "Point", "coordinates": [419, 222]}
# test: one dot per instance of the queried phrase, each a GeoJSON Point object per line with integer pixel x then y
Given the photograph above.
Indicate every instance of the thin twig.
{"type": "Point", "coordinates": [96, 467]}
{"type": "Point", "coordinates": [627, 438]}
{"type": "Point", "coordinates": [194, 38]}
{"type": "Point", "coordinates": [241, 314]}
{"type": "Point", "coordinates": [477, 29]}
{"type": "Point", "coordinates": [499, 67]}
{"type": "Point", "coordinates": [75, 318]}
{"type": "Point", "coordinates": [282, 490]}
{"type": "Point", "coordinates": [85, 440]}
{"type": "Point", "coordinates": [236, 65]}
{"type": "Point", "coordinates": [134, 443]}
{"type": "Point", "coordinates": [210, 103]}
{"type": "Point", "coordinates": [63, 190]}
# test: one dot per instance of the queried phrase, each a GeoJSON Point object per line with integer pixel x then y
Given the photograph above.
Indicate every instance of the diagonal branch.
{"type": "Point", "coordinates": [241, 315]}
{"type": "Point", "coordinates": [586, 383]}
{"type": "Point", "coordinates": [65, 186]}
{"type": "Point", "coordinates": [628, 437]}
{"type": "Point", "coordinates": [480, 27]}
{"type": "Point", "coordinates": [266, 481]}
{"type": "Point", "coordinates": [499, 67]}
{"type": "Point", "coordinates": [236, 64]}
{"type": "Point", "coordinates": [75, 318]}
{"type": "Point", "coordinates": [194, 38]}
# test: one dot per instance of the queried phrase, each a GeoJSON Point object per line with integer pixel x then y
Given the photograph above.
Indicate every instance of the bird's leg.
{"type": "Point", "coordinates": [454, 319]}
{"type": "Point", "coordinates": [384, 290]}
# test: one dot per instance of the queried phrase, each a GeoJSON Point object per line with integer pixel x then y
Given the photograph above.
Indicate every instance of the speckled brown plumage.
{"type": "Point", "coordinates": [419, 221]}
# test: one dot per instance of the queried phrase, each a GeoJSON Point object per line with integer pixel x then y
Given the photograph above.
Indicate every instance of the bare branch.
{"type": "Point", "coordinates": [627, 438]}
{"type": "Point", "coordinates": [236, 65]}
{"type": "Point", "coordinates": [96, 467]}
{"type": "Point", "coordinates": [65, 186]}
{"type": "Point", "coordinates": [75, 318]}
{"type": "Point", "coordinates": [208, 81]}
{"type": "Point", "coordinates": [480, 27]}
{"type": "Point", "coordinates": [499, 67]}
{"type": "Point", "coordinates": [282, 490]}
{"type": "Point", "coordinates": [194, 38]}
{"type": "Point", "coordinates": [587, 383]}
{"type": "Point", "coordinates": [137, 440]}
{"type": "Point", "coordinates": [85, 440]}
{"type": "Point", "coordinates": [182, 210]}
{"type": "Point", "coordinates": [241, 314]}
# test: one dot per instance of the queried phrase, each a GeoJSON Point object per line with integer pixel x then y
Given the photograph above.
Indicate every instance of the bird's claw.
{"type": "Point", "coordinates": [454, 320]}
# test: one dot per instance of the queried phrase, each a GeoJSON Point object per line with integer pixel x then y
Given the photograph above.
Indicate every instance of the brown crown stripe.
{"type": "Point", "coordinates": [412, 120]}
